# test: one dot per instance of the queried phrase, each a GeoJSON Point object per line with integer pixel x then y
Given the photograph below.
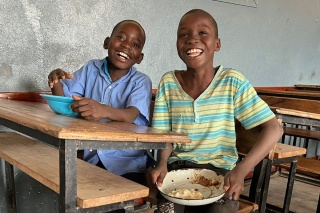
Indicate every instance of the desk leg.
{"type": "Point", "coordinates": [318, 208]}
{"type": "Point", "coordinates": [11, 192]}
{"type": "Point", "coordinates": [290, 183]}
{"type": "Point", "coordinates": [264, 194]}
{"type": "Point", "coordinates": [257, 182]}
{"type": "Point", "coordinates": [68, 176]}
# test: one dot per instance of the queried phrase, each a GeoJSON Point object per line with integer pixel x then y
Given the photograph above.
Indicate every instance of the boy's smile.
{"type": "Point", "coordinates": [194, 52]}
{"type": "Point", "coordinates": [197, 40]}
{"type": "Point", "coordinates": [123, 55]}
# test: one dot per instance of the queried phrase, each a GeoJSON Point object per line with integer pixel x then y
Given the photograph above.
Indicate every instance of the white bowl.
{"type": "Point", "coordinates": [183, 179]}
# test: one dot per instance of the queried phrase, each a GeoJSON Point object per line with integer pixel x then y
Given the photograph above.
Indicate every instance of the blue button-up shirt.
{"type": "Point", "coordinates": [133, 89]}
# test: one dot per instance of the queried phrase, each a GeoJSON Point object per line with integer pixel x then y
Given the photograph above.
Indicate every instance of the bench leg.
{"type": "Point", "coordinates": [11, 192]}
{"type": "Point", "coordinates": [257, 181]}
{"type": "Point", "coordinates": [265, 187]}
{"type": "Point", "coordinates": [289, 188]}
{"type": "Point", "coordinates": [318, 208]}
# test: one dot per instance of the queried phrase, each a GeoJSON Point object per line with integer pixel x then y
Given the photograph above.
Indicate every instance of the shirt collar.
{"type": "Point", "coordinates": [125, 78]}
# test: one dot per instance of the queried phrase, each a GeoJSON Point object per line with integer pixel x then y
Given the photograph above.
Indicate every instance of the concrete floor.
{"type": "Point", "coordinates": [304, 197]}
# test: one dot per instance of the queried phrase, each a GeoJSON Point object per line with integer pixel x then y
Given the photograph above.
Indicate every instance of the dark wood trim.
{"type": "Point", "coordinates": [25, 96]}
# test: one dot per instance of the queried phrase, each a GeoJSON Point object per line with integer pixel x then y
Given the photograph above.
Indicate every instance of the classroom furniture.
{"type": "Point", "coordinates": [68, 135]}
{"type": "Point", "coordinates": [311, 92]}
{"type": "Point", "coordinates": [262, 172]}
{"type": "Point", "coordinates": [96, 186]}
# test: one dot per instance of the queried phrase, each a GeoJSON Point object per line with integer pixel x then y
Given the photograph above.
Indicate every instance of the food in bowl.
{"type": "Point", "coordinates": [60, 104]}
{"type": "Point", "coordinates": [192, 187]}
{"type": "Point", "coordinates": [186, 194]}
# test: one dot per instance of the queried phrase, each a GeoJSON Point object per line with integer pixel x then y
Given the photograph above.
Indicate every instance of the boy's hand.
{"type": "Point", "coordinates": [158, 174]}
{"type": "Point", "coordinates": [233, 185]}
{"type": "Point", "coordinates": [88, 108]}
{"type": "Point", "coordinates": [56, 75]}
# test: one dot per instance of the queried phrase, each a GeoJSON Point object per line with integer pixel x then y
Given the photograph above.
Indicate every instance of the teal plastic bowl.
{"type": "Point", "coordinates": [60, 104]}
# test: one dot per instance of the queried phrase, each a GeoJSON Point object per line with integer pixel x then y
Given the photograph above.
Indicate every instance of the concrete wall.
{"type": "Point", "coordinates": [276, 43]}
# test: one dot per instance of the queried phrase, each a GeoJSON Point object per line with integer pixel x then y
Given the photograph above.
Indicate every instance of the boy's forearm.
{"type": "Point", "coordinates": [126, 115]}
{"type": "Point", "coordinates": [164, 155]}
{"type": "Point", "coordinates": [270, 135]}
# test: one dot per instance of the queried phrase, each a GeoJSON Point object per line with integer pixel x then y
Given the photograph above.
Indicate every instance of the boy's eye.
{"type": "Point", "coordinates": [183, 35]}
{"type": "Point", "coordinates": [120, 38]}
{"type": "Point", "coordinates": [136, 45]}
{"type": "Point", "coordinates": [203, 33]}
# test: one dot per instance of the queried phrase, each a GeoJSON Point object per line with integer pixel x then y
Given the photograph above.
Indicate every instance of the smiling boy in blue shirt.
{"type": "Point", "coordinates": [112, 89]}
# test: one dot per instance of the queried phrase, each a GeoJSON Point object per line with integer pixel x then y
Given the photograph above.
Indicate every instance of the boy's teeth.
{"type": "Point", "coordinates": [123, 55]}
{"type": "Point", "coordinates": [194, 52]}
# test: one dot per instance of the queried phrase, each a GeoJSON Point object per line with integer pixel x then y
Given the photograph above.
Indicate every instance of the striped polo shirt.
{"type": "Point", "coordinates": [210, 119]}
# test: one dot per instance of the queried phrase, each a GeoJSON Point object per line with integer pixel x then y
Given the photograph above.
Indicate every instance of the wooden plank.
{"type": "Point", "coordinates": [301, 133]}
{"type": "Point", "coordinates": [311, 106]}
{"type": "Point", "coordinates": [24, 96]}
{"type": "Point", "coordinates": [96, 186]}
{"type": "Point", "coordinates": [285, 151]}
{"type": "Point", "coordinates": [40, 117]}
{"type": "Point", "coordinates": [309, 165]}
{"type": "Point", "coordinates": [307, 86]}
{"type": "Point", "coordinates": [306, 166]}
{"type": "Point", "coordinates": [298, 113]}
{"type": "Point", "coordinates": [247, 206]}
{"type": "Point", "coordinates": [290, 92]}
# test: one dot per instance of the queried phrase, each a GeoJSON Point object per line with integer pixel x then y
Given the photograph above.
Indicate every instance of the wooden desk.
{"type": "Point", "coordinates": [68, 134]}
{"type": "Point", "coordinates": [283, 154]}
{"type": "Point", "coordinates": [298, 91]}
{"type": "Point", "coordinates": [287, 155]}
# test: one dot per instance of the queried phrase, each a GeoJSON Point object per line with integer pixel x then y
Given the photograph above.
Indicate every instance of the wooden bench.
{"type": "Point", "coordinates": [302, 112]}
{"type": "Point", "coordinates": [95, 186]}
{"type": "Point", "coordinates": [306, 166]}
{"type": "Point", "coordinates": [306, 134]}
{"type": "Point", "coordinates": [246, 206]}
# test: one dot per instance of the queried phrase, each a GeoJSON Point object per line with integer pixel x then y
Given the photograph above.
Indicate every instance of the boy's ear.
{"type": "Point", "coordinates": [106, 43]}
{"type": "Point", "coordinates": [140, 58]}
{"type": "Point", "coordinates": [218, 45]}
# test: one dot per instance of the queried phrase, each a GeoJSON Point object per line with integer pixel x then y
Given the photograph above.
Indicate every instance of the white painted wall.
{"type": "Point", "coordinates": [275, 44]}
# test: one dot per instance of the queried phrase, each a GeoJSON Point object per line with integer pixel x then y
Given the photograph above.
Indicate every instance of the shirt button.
{"type": "Point", "coordinates": [100, 152]}
{"type": "Point", "coordinates": [110, 87]}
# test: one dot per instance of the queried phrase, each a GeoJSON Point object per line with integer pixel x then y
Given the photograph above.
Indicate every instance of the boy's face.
{"type": "Point", "coordinates": [197, 40]}
{"type": "Point", "coordinates": [125, 45]}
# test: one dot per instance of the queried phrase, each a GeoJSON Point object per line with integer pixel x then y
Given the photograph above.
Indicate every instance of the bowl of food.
{"type": "Point", "coordinates": [60, 104]}
{"type": "Point", "coordinates": [192, 187]}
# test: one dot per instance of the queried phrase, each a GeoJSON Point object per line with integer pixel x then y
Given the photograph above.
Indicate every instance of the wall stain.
{"type": "Point", "coordinates": [313, 74]}
{"type": "Point", "coordinates": [300, 77]}
{"type": "Point", "coordinates": [5, 71]}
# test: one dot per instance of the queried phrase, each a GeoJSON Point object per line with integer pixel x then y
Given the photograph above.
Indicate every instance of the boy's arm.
{"type": "Point", "coordinates": [93, 110]}
{"type": "Point", "coordinates": [269, 136]}
{"type": "Point", "coordinates": [161, 170]}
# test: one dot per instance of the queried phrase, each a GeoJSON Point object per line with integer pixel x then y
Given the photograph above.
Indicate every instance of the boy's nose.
{"type": "Point", "coordinates": [193, 39]}
{"type": "Point", "coordinates": [126, 45]}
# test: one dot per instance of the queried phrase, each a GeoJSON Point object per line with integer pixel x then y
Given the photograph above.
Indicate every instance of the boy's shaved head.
{"type": "Point", "coordinates": [214, 23]}
{"type": "Point", "coordinates": [133, 21]}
